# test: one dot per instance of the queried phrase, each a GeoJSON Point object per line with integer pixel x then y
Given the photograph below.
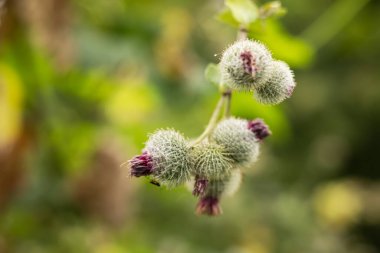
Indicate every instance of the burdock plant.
{"type": "Point", "coordinates": [166, 158]}
{"type": "Point", "coordinates": [213, 162]}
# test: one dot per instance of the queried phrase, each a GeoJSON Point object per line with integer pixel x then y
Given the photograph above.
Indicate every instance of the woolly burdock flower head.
{"type": "Point", "coordinates": [239, 142]}
{"type": "Point", "coordinates": [259, 128]}
{"type": "Point", "coordinates": [278, 87]}
{"type": "Point", "coordinates": [170, 157]}
{"type": "Point", "coordinates": [215, 189]}
{"type": "Point", "coordinates": [244, 65]}
{"type": "Point", "coordinates": [211, 161]}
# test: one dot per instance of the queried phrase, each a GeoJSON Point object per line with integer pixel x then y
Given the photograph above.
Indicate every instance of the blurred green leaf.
{"type": "Point", "coordinates": [212, 73]}
{"type": "Point", "coordinates": [142, 103]}
{"type": "Point", "coordinates": [295, 51]}
{"type": "Point", "coordinates": [271, 9]}
{"type": "Point", "coordinates": [244, 11]}
{"type": "Point", "coordinates": [227, 17]}
{"type": "Point", "coordinates": [73, 143]}
{"type": "Point", "coordinates": [331, 22]}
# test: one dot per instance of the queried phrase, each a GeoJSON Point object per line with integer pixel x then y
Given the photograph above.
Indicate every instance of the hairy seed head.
{"type": "Point", "coordinates": [239, 142]}
{"type": "Point", "coordinates": [244, 65]}
{"type": "Point", "coordinates": [211, 161]}
{"type": "Point", "coordinates": [170, 156]}
{"type": "Point", "coordinates": [278, 87]}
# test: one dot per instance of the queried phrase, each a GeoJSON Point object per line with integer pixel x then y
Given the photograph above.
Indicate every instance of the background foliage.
{"type": "Point", "coordinates": [82, 82]}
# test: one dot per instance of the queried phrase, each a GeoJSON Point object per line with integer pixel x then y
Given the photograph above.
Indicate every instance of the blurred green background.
{"type": "Point", "coordinates": [82, 82]}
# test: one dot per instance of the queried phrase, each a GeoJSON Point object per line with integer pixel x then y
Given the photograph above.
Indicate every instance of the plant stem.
{"type": "Point", "coordinates": [225, 98]}
{"type": "Point", "coordinates": [212, 123]}
{"type": "Point", "coordinates": [242, 33]}
{"type": "Point", "coordinates": [227, 111]}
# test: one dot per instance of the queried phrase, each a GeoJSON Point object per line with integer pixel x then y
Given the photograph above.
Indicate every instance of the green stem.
{"type": "Point", "coordinates": [212, 123]}
{"type": "Point", "coordinates": [242, 33]}
{"type": "Point", "coordinates": [225, 98]}
{"type": "Point", "coordinates": [227, 111]}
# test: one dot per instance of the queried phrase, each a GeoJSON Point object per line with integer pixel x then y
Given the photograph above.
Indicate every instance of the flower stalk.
{"type": "Point", "coordinates": [212, 122]}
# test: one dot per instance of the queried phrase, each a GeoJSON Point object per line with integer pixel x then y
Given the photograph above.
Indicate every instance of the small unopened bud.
{"type": "Point", "coordinates": [239, 142]}
{"type": "Point", "coordinates": [215, 189]}
{"type": "Point", "coordinates": [244, 65]}
{"type": "Point", "coordinates": [170, 154]}
{"type": "Point", "coordinates": [209, 205]}
{"type": "Point", "coordinates": [141, 165]}
{"type": "Point", "coordinates": [278, 87]}
{"type": "Point", "coordinates": [211, 161]}
{"type": "Point", "coordinates": [224, 186]}
{"type": "Point", "coordinates": [259, 128]}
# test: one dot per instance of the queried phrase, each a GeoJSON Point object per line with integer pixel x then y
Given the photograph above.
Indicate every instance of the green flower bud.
{"type": "Point", "coordinates": [226, 186]}
{"type": "Point", "coordinates": [211, 161]}
{"type": "Point", "coordinates": [278, 87]}
{"type": "Point", "coordinates": [244, 65]}
{"type": "Point", "coordinates": [209, 201]}
{"type": "Point", "coordinates": [239, 142]}
{"type": "Point", "coordinates": [170, 156]}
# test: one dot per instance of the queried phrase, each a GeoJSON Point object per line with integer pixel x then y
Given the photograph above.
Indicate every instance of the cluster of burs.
{"type": "Point", "coordinates": [248, 66]}
{"type": "Point", "coordinates": [213, 166]}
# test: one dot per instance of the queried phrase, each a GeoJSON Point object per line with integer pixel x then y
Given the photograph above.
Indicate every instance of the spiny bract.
{"type": "Point", "coordinates": [224, 186]}
{"type": "Point", "coordinates": [244, 65]}
{"type": "Point", "coordinates": [278, 87]}
{"type": "Point", "coordinates": [239, 142]}
{"type": "Point", "coordinates": [170, 155]}
{"type": "Point", "coordinates": [211, 161]}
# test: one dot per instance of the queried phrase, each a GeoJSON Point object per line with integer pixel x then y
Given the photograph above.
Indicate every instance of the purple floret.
{"type": "Point", "coordinates": [259, 128]}
{"type": "Point", "coordinates": [200, 186]}
{"type": "Point", "coordinates": [209, 205]}
{"type": "Point", "coordinates": [141, 165]}
{"type": "Point", "coordinates": [249, 63]}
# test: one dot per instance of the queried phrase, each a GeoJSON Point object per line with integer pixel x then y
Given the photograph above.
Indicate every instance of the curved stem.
{"type": "Point", "coordinates": [227, 111]}
{"type": "Point", "coordinates": [226, 97]}
{"type": "Point", "coordinates": [242, 33]}
{"type": "Point", "coordinates": [212, 123]}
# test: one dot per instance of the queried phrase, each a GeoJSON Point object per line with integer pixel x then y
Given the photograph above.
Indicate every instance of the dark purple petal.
{"type": "Point", "coordinates": [259, 128]}
{"type": "Point", "coordinates": [248, 62]}
{"type": "Point", "coordinates": [209, 205]}
{"type": "Point", "coordinates": [200, 186]}
{"type": "Point", "coordinates": [141, 165]}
